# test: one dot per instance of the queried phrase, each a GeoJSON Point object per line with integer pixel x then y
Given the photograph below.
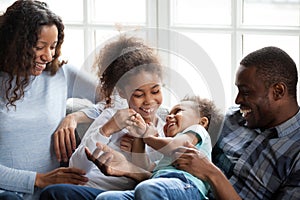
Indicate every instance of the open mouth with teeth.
{"type": "Point", "coordinates": [171, 124]}
{"type": "Point", "coordinates": [245, 112]}
{"type": "Point", "coordinates": [40, 66]}
{"type": "Point", "coordinates": [147, 110]}
{"type": "Point", "coordinates": [168, 128]}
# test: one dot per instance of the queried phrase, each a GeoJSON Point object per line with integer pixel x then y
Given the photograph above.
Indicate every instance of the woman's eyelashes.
{"type": "Point", "coordinates": [38, 48]}
{"type": "Point", "coordinates": [41, 48]}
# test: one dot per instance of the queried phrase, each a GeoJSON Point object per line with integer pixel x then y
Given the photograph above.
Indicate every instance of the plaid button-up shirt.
{"type": "Point", "coordinates": [260, 164]}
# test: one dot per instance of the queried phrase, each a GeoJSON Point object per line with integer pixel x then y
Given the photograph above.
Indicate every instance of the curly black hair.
{"type": "Point", "coordinates": [125, 57]}
{"type": "Point", "coordinates": [274, 65]}
{"type": "Point", "coordinates": [20, 27]}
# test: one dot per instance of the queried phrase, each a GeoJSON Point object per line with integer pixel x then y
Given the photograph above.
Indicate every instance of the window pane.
{"type": "Point", "coordinates": [101, 38]}
{"type": "Point", "coordinates": [290, 44]}
{"type": "Point", "coordinates": [68, 10]}
{"type": "Point", "coordinates": [103, 35]}
{"type": "Point", "coordinates": [4, 4]}
{"type": "Point", "coordinates": [200, 12]}
{"type": "Point", "coordinates": [218, 48]}
{"type": "Point", "coordinates": [120, 11]}
{"type": "Point", "coordinates": [196, 70]}
{"type": "Point", "coordinates": [73, 47]}
{"type": "Point", "coordinates": [271, 13]}
{"type": "Point", "coordinates": [194, 79]}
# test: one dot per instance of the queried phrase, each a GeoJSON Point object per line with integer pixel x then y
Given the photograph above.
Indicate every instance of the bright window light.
{"type": "Point", "coordinates": [226, 30]}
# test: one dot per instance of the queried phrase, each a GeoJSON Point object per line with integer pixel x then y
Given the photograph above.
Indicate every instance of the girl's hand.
{"type": "Point", "coordinates": [114, 163]}
{"type": "Point", "coordinates": [136, 126]}
{"type": "Point", "coordinates": [108, 161]}
{"type": "Point", "coordinates": [122, 116]}
{"type": "Point", "coordinates": [117, 122]}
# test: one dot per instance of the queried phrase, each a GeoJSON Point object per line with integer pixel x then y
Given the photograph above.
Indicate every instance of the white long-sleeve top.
{"type": "Point", "coordinates": [96, 178]}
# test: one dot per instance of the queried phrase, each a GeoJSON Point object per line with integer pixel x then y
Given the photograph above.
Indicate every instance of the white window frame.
{"type": "Point", "coordinates": [236, 29]}
{"type": "Point", "coordinates": [158, 13]}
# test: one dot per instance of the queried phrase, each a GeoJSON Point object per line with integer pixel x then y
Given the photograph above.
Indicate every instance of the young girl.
{"type": "Point", "coordinates": [132, 69]}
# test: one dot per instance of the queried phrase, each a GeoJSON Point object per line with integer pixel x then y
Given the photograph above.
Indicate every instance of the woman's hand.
{"type": "Point", "coordinates": [61, 175]}
{"type": "Point", "coordinates": [64, 138]}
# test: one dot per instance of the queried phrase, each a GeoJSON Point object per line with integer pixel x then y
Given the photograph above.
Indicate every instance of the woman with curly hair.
{"type": "Point", "coordinates": [34, 87]}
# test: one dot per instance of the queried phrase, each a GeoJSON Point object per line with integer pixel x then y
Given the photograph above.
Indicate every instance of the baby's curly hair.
{"type": "Point", "coordinates": [125, 57]}
{"type": "Point", "coordinates": [207, 108]}
{"type": "Point", "coordinates": [20, 27]}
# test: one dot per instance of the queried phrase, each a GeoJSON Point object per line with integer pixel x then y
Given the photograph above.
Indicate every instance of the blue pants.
{"type": "Point", "coordinates": [174, 186]}
{"type": "Point", "coordinates": [69, 192]}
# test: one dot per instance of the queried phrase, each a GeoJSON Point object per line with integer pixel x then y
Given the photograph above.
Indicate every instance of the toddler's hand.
{"type": "Point", "coordinates": [126, 143]}
{"type": "Point", "coordinates": [151, 131]}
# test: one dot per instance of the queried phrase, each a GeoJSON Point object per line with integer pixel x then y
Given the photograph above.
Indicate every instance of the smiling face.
{"type": "Point", "coordinates": [143, 94]}
{"type": "Point", "coordinates": [45, 48]}
{"type": "Point", "coordinates": [256, 102]}
{"type": "Point", "coordinates": [180, 117]}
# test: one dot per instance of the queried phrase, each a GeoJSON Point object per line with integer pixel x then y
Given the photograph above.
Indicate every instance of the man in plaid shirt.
{"type": "Point", "coordinates": [258, 153]}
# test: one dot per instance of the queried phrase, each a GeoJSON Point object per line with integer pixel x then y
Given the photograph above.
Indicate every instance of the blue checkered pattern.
{"type": "Point", "coordinates": [260, 164]}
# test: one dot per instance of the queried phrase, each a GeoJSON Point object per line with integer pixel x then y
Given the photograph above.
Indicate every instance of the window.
{"type": "Point", "coordinates": [229, 30]}
{"type": "Point", "coordinates": [223, 31]}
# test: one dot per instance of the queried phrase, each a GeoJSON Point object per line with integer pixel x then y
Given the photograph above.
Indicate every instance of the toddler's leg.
{"type": "Point", "coordinates": [166, 188]}
{"type": "Point", "coordinates": [113, 195]}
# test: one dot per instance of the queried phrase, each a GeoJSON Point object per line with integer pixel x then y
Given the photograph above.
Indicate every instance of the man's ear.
{"type": "Point", "coordinates": [279, 90]}
{"type": "Point", "coordinates": [204, 122]}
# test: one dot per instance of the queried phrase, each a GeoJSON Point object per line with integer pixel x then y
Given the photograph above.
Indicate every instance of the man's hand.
{"type": "Point", "coordinates": [189, 159]}
{"type": "Point", "coordinates": [196, 163]}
